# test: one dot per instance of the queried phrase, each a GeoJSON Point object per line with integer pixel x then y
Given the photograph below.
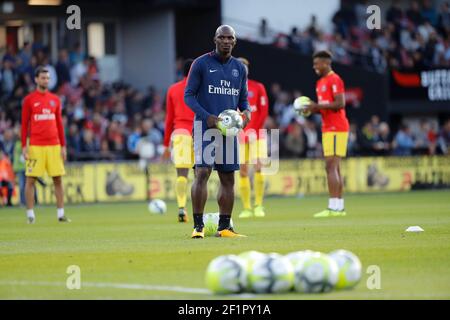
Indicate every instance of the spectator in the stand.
{"type": "Point", "coordinates": [368, 138]}
{"type": "Point", "coordinates": [383, 140]}
{"type": "Point", "coordinates": [444, 19]}
{"type": "Point", "coordinates": [395, 13]}
{"type": "Point", "coordinates": [7, 77]}
{"type": "Point", "coordinates": [413, 13]}
{"type": "Point", "coordinates": [8, 143]}
{"type": "Point", "coordinates": [78, 71]}
{"type": "Point", "coordinates": [344, 19]}
{"type": "Point", "coordinates": [403, 141]}
{"type": "Point", "coordinates": [63, 68]}
{"type": "Point", "coordinates": [274, 92]}
{"type": "Point", "coordinates": [265, 35]}
{"type": "Point", "coordinates": [313, 27]}
{"type": "Point", "coordinates": [24, 55]}
{"type": "Point", "coordinates": [311, 133]}
{"type": "Point", "coordinates": [76, 55]}
{"type": "Point", "coordinates": [429, 12]}
{"type": "Point", "coordinates": [295, 141]}
{"type": "Point", "coordinates": [444, 139]}
{"type": "Point", "coordinates": [6, 178]}
{"type": "Point", "coordinates": [52, 73]}
{"type": "Point", "coordinates": [89, 145]}
{"type": "Point", "coordinates": [133, 140]}
{"type": "Point", "coordinates": [320, 43]}
{"type": "Point", "coordinates": [73, 142]}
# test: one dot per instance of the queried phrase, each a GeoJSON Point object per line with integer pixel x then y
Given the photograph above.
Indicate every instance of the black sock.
{"type": "Point", "coordinates": [198, 220]}
{"type": "Point", "coordinates": [224, 222]}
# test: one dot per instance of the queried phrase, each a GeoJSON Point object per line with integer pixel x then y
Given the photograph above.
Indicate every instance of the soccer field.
{"type": "Point", "coordinates": [124, 252]}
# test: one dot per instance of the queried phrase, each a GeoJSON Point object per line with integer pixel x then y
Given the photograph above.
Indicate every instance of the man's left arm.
{"type": "Point", "coordinates": [243, 105]}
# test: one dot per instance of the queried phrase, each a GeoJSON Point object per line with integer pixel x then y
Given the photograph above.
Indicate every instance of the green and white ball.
{"type": "Point", "coordinates": [231, 122]}
{"type": "Point", "coordinates": [316, 273]}
{"type": "Point", "coordinates": [349, 268]}
{"type": "Point", "coordinates": [226, 275]}
{"type": "Point", "coordinates": [300, 104]}
{"type": "Point", "coordinates": [211, 222]}
{"type": "Point", "coordinates": [270, 274]}
{"type": "Point", "coordinates": [297, 257]}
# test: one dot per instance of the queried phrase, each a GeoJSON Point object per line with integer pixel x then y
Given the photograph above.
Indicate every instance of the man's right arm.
{"type": "Point", "coordinates": [190, 93]}
{"type": "Point", "coordinates": [25, 121]}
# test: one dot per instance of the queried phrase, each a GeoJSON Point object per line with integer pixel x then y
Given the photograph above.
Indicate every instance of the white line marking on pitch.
{"type": "Point", "coordinates": [129, 286]}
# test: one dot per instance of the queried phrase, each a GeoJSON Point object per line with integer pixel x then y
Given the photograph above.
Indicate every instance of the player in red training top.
{"type": "Point", "coordinates": [331, 105]}
{"type": "Point", "coordinates": [253, 148]}
{"type": "Point", "coordinates": [46, 152]}
{"type": "Point", "coordinates": [178, 129]}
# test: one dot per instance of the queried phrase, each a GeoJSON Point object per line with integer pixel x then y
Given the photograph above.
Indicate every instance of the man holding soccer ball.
{"type": "Point", "coordinates": [216, 82]}
{"type": "Point", "coordinates": [331, 105]}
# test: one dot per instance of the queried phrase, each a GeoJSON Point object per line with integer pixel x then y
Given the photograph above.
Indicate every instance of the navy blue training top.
{"type": "Point", "coordinates": [213, 86]}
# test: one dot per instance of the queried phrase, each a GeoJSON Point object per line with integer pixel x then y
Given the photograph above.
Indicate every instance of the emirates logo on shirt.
{"type": "Point", "coordinates": [45, 115]}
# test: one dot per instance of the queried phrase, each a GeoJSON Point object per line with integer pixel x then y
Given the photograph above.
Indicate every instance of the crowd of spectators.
{"type": "Point", "coordinates": [414, 37]}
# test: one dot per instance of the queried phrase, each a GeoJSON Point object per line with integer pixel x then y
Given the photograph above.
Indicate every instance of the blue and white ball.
{"type": "Point", "coordinates": [157, 206]}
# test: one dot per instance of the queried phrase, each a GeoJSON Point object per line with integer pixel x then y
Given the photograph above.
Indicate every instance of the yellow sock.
{"type": "Point", "coordinates": [259, 188]}
{"type": "Point", "coordinates": [244, 185]}
{"type": "Point", "coordinates": [180, 189]}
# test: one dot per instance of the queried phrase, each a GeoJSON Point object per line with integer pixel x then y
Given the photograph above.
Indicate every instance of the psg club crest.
{"type": "Point", "coordinates": [52, 103]}
{"type": "Point", "coordinates": [235, 73]}
{"type": "Point", "coordinates": [250, 94]}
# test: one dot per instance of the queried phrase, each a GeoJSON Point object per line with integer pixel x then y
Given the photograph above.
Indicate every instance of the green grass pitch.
{"type": "Point", "coordinates": [124, 252]}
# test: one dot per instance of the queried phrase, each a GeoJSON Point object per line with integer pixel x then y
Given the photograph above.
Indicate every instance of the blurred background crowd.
{"type": "Point", "coordinates": [106, 121]}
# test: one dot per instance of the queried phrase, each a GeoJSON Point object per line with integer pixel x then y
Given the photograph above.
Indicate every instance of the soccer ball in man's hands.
{"type": "Point", "coordinates": [211, 222]}
{"type": "Point", "coordinates": [270, 274]}
{"type": "Point", "coordinates": [300, 105]}
{"type": "Point", "coordinates": [315, 274]}
{"type": "Point", "coordinates": [349, 268]}
{"type": "Point", "coordinates": [157, 206]}
{"type": "Point", "coordinates": [226, 274]}
{"type": "Point", "coordinates": [231, 122]}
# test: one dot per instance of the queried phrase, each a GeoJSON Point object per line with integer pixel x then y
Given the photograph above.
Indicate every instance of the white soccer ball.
{"type": "Point", "coordinates": [211, 223]}
{"type": "Point", "coordinates": [231, 122]}
{"type": "Point", "coordinates": [297, 257]}
{"type": "Point", "coordinates": [157, 206]}
{"type": "Point", "coordinates": [226, 274]}
{"type": "Point", "coordinates": [315, 273]}
{"type": "Point", "coordinates": [300, 104]}
{"type": "Point", "coordinates": [270, 274]}
{"type": "Point", "coordinates": [349, 268]}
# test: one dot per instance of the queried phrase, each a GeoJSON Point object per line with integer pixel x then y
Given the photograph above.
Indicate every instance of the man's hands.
{"type": "Point", "coordinates": [246, 116]}
{"type": "Point", "coordinates": [212, 121]}
{"type": "Point", "coordinates": [312, 107]}
{"type": "Point", "coordinates": [25, 153]}
{"type": "Point", "coordinates": [166, 154]}
{"type": "Point", "coordinates": [64, 153]}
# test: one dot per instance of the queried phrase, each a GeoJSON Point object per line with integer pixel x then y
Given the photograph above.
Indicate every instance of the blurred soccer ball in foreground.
{"type": "Point", "coordinates": [157, 206]}
{"type": "Point", "coordinates": [349, 268]}
{"type": "Point", "coordinates": [226, 274]}
{"type": "Point", "coordinates": [315, 273]}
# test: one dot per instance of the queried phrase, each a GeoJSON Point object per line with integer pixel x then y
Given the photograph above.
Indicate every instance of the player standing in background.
{"type": "Point", "coordinates": [178, 128]}
{"type": "Point", "coordinates": [331, 105]}
{"type": "Point", "coordinates": [42, 122]}
{"type": "Point", "coordinates": [253, 148]}
{"type": "Point", "coordinates": [217, 82]}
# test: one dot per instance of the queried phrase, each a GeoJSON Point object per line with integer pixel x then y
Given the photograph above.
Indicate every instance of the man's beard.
{"type": "Point", "coordinates": [42, 88]}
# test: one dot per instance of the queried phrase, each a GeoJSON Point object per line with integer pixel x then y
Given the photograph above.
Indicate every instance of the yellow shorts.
{"type": "Point", "coordinates": [251, 151]}
{"type": "Point", "coordinates": [182, 151]}
{"type": "Point", "coordinates": [334, 144]}
{"type": "Point", "coordinates": [43, 159]}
